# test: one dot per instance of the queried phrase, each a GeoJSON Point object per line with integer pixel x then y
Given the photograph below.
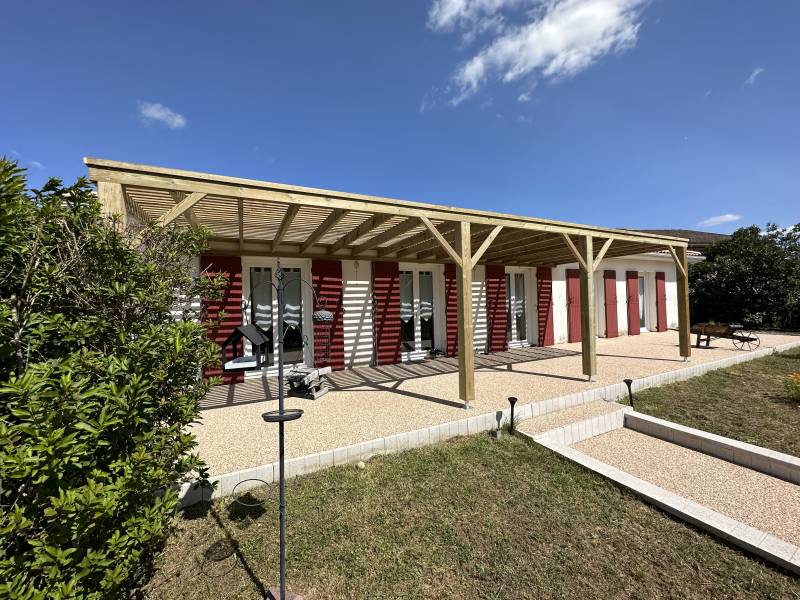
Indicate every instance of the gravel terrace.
{"type": "Point", "coordinates": [234, 437]}
{"type": "Point", "coordinates": [761, 501]}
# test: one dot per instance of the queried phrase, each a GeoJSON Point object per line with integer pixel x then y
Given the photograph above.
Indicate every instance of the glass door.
{"type": "Point", "coordinates": [642, 305]}
{"type": "Point", "coordinates": [293, 339]}
{"type": "Point", "coordinates": [417, 323]}
{"type": "Point", "coordinates": [516, 310]}
{"type": "Point", "coordinates": [261, 296]}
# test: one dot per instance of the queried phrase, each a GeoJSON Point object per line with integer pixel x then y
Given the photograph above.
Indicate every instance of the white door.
{"type": "Point", "coordinates": [417, 323]}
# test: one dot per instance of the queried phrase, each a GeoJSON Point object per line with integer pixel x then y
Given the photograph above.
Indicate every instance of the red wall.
{"type": "Point", "coordinates": [230, 304]}
{"type": "Point", "coordinates": [451, 309]}
{"type": "Point", "coordinates": [326, 279]}
{"type": "Point", "coordinates": [386, 312]}
{"type": "Point", "coordinates": [544, 306]}
{"type": "Point", "coordinates": [574, 305]}
{"type": "Point", "coordinates": [661, 302]}
{"type": "Point", "coordinates": [610, 289]}
{"type": "Point", "coordinates": [634, 326]}
{"type": "Point", "coordinates": [496, 315]}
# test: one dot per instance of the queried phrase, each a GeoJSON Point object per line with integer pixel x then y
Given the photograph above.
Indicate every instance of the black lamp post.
{"type": "Point", "coordinates": [512, 400]}
{"type": "Point", "coordinates": [629, 382]}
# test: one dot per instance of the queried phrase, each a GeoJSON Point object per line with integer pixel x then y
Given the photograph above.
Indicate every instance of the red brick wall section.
{"type": "Point", "coordinates": [610, 289]}
{"type": "Point", "coordinates": [451, 309]}
{"type": "Point", "coordinates": [326, 279]}
{"type": "Point", "coordinates": [230, 304]}
{"type": "Point", "coordinates": [544, 306]}
{"type": "Point", "coordinates": [661, 302]}
{"type": "Point", "coordinates": [574, 305]}
{"type": "Point", "coordinates": [496, 315]}
{"type": "Point", "coordinates": [632, 278]}
{"type": "Point", "coordinates": [386, 312]}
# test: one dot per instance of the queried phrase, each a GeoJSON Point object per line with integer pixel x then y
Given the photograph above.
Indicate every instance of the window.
{"type": "Point", "coordinates": [292, 316]}
{"type": "Point", "coordinates": [516, 309]}
{"type": "Point", "coordinates": [407, 329]}
{"type": "Point", "coordinates": [642, 304]}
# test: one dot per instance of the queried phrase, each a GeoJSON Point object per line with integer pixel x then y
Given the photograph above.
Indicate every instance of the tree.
{"type": "Point", "coordinates": [100, 350]}
{"type": "Point", "coordinates": [752, 278]}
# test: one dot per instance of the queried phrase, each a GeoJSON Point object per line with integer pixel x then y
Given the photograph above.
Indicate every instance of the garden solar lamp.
{"type": "Point", "coordinates": [629, 383]}
{"type": "Point", "coordinates": [512, 400]}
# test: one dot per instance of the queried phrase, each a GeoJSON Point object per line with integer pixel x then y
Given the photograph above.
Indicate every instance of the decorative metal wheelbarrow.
{"type": "Point", "coordinates": [742, 339]}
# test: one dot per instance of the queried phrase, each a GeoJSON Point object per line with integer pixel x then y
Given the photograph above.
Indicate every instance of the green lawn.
{"type": "Point", "coordinates": [747, 402]}
{"type": "Point", "coordinates": [469, 518]}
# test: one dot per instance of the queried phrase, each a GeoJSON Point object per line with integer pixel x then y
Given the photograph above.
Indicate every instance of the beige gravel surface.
{"type": "Point", "coordinates": [761, 501]}
{"type": "Point", "coordinates": [234, 437]}
{"type": "Point", "coordinates": [560, 418]}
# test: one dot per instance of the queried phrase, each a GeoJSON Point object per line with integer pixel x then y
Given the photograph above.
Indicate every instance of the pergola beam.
{"type": "Point", "coordinates": [486, 243]}
{"type": "Point", "coordinates": [684, 323]}
{"type": "Point", "coordinates": [291, 212]}
{"type": "Point", "coordinates": [331, 221]}
{"type": "Point", "coordinates": [180, 208]}
{"type": "Point", "coordinates": [466, 353]}
{"type": "Point", "coordinates": [456, 256]}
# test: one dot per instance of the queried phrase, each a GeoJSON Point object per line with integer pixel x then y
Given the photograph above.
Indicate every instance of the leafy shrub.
{"type": "Point", "coordinates": [100, 352]}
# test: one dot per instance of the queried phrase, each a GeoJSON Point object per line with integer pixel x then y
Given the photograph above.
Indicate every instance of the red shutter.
{"type": "Point", "coordinates": [230, 304]}
{"type": "Point", "coordinates": [451, 308]}
{"type": "Point", "coordinates": [496, 315]}
{"type": "Point", "coordinates": [634, 326]}
{"type": "Point", "coordinates": [610, 287]}
{"type": "Point", "coordinates": [544, 306]}
{"type": "Point", "coordinates": [326, 279]}
{"type": "Point", "coordinates": [386, 312]}
{"type": "Point", "coordinates": [661, 302]}
{"type": "Point", "coordinates": [573, 305]}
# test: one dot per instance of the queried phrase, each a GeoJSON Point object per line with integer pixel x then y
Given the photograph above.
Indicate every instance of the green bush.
{"type": "Point", "coordinates": [100, 350]}
{"type": "Point", "coordinates": [751, 278]}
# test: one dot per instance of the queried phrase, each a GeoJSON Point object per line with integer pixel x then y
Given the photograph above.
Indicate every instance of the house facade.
{"type": "Point", "coordinates": [390, 311]}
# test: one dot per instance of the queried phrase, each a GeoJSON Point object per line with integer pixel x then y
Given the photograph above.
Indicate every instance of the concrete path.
{"type": "Point", "coordinates": [759, 500]}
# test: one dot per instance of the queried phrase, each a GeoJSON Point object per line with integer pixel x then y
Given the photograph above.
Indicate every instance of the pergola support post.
{"type": "Point", "coordinates": [466, 354]}
{"type": "Point", "coordinates": [112, 200]}
{"type": "Point", "coordinates": [588, 324]}
{"type": "Point", "coordinates": [682, 276]}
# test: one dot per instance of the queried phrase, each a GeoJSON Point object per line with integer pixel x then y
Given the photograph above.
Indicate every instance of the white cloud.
{"type": "Point", "coordinates": [752, 79]}
{"type": "Point", "coordinates": [524, 97]}
{"type": "Point", "coordinates": [153, 111]}
{"type": "Point", "coordinates": [556, 38]}
{"type": "Point", "coordinates": [37, 164]}
{"type": "Point", "coordinates": [719, 220]}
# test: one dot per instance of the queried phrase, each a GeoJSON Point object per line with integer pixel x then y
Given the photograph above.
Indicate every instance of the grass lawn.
{"type": "Point", "coordinates": [469, 518]}
{"type": "Point", "coordinates": [747, 402]}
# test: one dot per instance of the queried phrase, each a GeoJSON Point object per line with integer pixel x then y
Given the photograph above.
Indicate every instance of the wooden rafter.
{"type": "Point", "coordinates": [411, 245]}
{"type": "Point", "coordinates": [329, 223]}
{"type": "Point", "coordinates": [389, 234]}
{"type": "Point", "coordinates": [486, 243]}
{"type": "Point", "coordinates": [359, 232]}
{"type": "Point", "coordinates": [291, 212]}
{"type": "Point", "coordinates": [240, 215]}
{"type": "Point", "coordinates": [180, 208]}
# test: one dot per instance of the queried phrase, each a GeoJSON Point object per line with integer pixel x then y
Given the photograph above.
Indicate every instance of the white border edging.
{"type": "Point", "coordinates": [443, 431]}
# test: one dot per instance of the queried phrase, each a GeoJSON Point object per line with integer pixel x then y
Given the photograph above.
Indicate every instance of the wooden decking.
{"type": "Point", "coordinates": [261, 389]}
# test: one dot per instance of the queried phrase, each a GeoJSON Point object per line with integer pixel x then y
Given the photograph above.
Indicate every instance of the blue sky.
{"type": "Point", "coordinates": [623, 113]}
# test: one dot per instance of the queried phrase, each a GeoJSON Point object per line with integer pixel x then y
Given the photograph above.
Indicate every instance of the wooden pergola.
{"type": "Point", "coordinates": [259, 218]}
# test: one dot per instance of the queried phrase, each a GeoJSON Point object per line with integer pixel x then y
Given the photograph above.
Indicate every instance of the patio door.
{"type": "Point", "coordinates": [642, 304]}
{"type": "Point", "coordinates": [516, 310]}
{"type": "Point", "coordinates": [261, 308]}
{"type": "Point", "coordinates": [417, 322]}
